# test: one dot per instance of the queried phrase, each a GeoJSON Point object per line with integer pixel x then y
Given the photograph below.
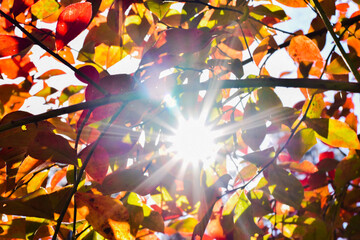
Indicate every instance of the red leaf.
{"type": "Point", "coordinates": [89, 71]}
{"type": "Point", "coordinates": [11, 45]}
{"type": "Point", "coordinates": [98, 165]}
{"type": "Point", "coordinates": [72, 21]}
{"type": "Point", "coordinates": [325, 155]}
{"type": "Point", "coordinates": [21, 5]}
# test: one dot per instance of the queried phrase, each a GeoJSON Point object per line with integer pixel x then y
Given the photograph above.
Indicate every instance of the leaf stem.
{"type": "Point", "coordinates": [52, 53]}
{"type": "Point", "coordinates": [337, 41]}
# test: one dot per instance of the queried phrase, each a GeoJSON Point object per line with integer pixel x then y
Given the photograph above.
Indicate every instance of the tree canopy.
{"type": "Point", "coordinates": [192, 143]}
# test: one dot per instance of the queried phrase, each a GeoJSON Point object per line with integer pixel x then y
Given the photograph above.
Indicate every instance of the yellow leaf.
{"type": "Point", "coordinates": [108, 216]}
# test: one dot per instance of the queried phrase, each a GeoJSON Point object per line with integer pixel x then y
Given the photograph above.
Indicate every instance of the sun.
{"type": "Point", "coordinates": [193, 141]}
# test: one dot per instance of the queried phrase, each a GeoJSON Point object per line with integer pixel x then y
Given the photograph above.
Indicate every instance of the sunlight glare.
{"type": "Point", "coordinates": [193, 141]}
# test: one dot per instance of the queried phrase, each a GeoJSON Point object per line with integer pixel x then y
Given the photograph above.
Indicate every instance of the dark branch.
{"type": "Point", "coordinates": [223, 84]}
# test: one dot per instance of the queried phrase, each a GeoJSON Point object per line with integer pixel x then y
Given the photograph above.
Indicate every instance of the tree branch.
{"type": "Point", "coordinates": [223, 84]}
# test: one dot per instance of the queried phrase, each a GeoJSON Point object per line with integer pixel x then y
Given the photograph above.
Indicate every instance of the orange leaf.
{"type": "Point", "coordinates": [293, 3]}
{"type": "Point", "coordinates": [107, 215]}
{"type": "Point", "coordinates": [302, 48]}
{"type": "Point", "coordinates": [262, 49]}
{"type": "Point", "coordinates": [72, 21]}
{"type": "Point", "coordinates": [16, 66]}
{"type": "Point", "coordinates": [11, 45]}
{"type": "Point", "coordinates": [50, 73]}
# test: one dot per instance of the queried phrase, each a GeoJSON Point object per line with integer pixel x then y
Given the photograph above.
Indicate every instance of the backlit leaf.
{"type": "Point", "coordinates": [129, 180]}
{"type": "Point", "coordinates": [108, 216]}
{"type": "Point", "coordinates": [302, 141]}
{"type": "Point", "coordinates": [284, 186]}
{"type": "Point", "coordinates": [262, 49]}
{"type": "Point", "coordinates": [316, 107]}
{"type": "Point", "coordinates": [98, 165]}
{"type": "Point", "coordinates": [36, 204]}
{"type": "Point", "coordinates": [52, 147]}
{"type": "Point", "coordinates": [259, 202]}
{"type": "Point", "coordinates": [347, 169]}
{"type": "Point", "coordinates": [339, 134]}
{"type": "Point", "coordinates": [137, 28]}
{"type": "Point", "coordinates": [158, 7]}
{"type": "Point", "coordinates": [293, 3]}
{"type": "Point", "coordinates": [303, 167]}
{"type": "Point", "coordinates": [44, 8]}
{"type": "Point", "coordinates": [302, 48]}
{"type": "Point", "coordinates": [337, 66]}
{"type": "Point", "coordinates": [12, 45]}
{"type": "Point", "coordinates": [260, 158]}
{"type": "Point", "coordinates": [72, 21]}
{"type": "Point", "coordinates": [255, 133]}
{"type": "Point", "coordinates": [50, 73]}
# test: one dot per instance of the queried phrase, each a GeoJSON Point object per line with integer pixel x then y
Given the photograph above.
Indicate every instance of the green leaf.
{"type": "Point", "coordinates": [269, 102]}
{"type": "Point", "coordinates": [339, 134]}
{"type": "Point", "coordinates": [347, 169]}
{"type": "Point", "coordinates": [68, 92]}
{"type": "Point", "coordinates": [244, 219]}
{"type": "Point", "coordinates": [158, 7]}
{"type": "Point", "coordinates": [302, 141]}
{"type": "Point", "coordinates": [137, 28]}
{"type": "Point", "coordinates": [337, 66]}
{"type": "Point", "coordinates": [284, 186]}
{"type": "Point", "coordinates": [242, 205]}
{"type": "Point", "coordinates": [316, 107]}
{"type": "Point", "coordinates": [259, 202]}
{"type": "Point", "coordinates": [44, 8]}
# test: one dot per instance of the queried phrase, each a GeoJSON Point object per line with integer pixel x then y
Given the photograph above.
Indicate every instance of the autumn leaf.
{"type": "Point", "coordinates": [302, 141]}
{"type": "Point", "coordinates": [44, 8]}
{"type": "Point", "coordinates": [302, 48]}
{"type": "Point", "coordinates": [108, 216]}
{"type": "Point", "coordinates": [12, 45]}
{"type": "Point", "coordinates": [129, 180]}
{"type": "Point", "coordinates": [72, 21]}
{"type": "Point", "coordinates": [293, 3]}
{"type": "Point", "coordinates": [339, 134]}
{"type": "Point", "coordinates": [50, 73]}
{"type": "Point", "coordinates": [284, 186]}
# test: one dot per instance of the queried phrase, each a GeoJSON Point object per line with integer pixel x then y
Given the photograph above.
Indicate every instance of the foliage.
{"type": "Point", "coordinates": [99, 164]}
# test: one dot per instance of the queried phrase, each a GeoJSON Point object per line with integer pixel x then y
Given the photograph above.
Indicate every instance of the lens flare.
{"type": "Point", "coordinates": [193, 141]}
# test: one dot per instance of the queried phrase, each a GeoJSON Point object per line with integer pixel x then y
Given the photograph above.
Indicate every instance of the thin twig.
{"type": "Point", "coordinates": [293, 131]}
{"type": "Point", "coordinates": [233, 10]}
{"type": "Point", "coordinates": [52, 53]}
{"type": "Point", "coordinates": [329, 27]}
{"type": "Point", "coordinates": [82, 170]}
